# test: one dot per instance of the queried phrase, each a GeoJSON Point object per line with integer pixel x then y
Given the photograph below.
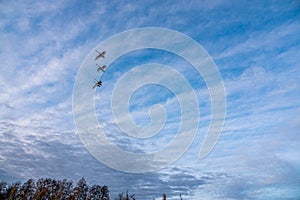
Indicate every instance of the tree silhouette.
{"type": "Point", "coordinates": [51, 189]}
{"type": "Point", "coordinates": [164, 196]}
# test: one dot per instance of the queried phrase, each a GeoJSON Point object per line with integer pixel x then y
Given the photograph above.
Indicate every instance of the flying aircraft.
{"type": "Point", "coordinates": [97, 84]}
{"type": "Point", "coordinates": [101, 68]}
{"type": "Point", "coordinates": [100, 55]}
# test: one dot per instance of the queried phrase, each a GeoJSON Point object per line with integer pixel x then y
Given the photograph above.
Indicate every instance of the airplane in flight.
{"type": "Point", "coordinates": [101, 68]}
{"type": "Point", "coordinates": [100, 54]}
{"type": "Point", "coordinates": [97, 84]}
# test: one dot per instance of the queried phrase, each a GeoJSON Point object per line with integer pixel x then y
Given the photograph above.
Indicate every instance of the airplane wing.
{"type": "Point", "coordinates": [102, 54]}
{"type": "Point", "coordinates": [98, 56]}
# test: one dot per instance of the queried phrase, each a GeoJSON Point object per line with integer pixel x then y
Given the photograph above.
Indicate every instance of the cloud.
{"type": "Point", "coordinates": [255, 162]}
{"type": "Point", "coordinates": [264, 40]}
{"type": "Point", "coordinates": [43, 44]}
{"type": "Point", "coordinates": [66, 158]}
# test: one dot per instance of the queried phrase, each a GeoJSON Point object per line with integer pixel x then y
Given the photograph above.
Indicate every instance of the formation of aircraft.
{"type": "Point", "coordinates": [100, 55]}
{"type": "Point", "coordinates": [98, 83]}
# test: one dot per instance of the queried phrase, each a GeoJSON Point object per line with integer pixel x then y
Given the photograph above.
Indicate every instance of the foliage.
{"type": "Point", "coordinates": [52, 189]}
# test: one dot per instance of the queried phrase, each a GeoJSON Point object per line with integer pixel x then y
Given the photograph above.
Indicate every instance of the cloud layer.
{"type": "Point", "coordinates": [254, 44]}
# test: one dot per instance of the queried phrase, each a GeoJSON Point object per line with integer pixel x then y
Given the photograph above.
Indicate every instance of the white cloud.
{"type": "Point", "coordinates": [263, 40]}
{"type": "Point", "coordinates": [41, 53]}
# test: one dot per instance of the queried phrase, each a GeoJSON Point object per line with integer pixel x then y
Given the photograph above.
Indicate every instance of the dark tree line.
{"type": "Point", "coordinates": [51, 189]}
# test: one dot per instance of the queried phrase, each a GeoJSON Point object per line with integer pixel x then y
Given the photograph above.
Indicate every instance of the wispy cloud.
{"type": "Point", "coordinates": [255, 46]}
{"type": "Point", "coordinates": [265, 40]}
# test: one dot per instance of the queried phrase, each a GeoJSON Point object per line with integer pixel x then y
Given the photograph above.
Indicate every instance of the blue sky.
{"type": "Point", "coordinates": [254, 44]}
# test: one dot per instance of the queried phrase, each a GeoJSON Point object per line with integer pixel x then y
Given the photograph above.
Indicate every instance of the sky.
{"type": "Point", "coordinates": [46, 46]}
